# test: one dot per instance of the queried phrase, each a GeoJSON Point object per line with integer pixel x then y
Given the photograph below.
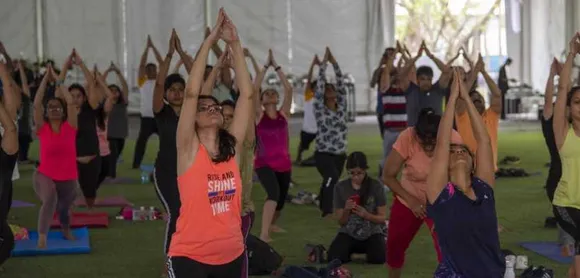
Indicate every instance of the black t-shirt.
{"type": "Point", "coordinates": [555, 163]}
{"type": "Point", "coordinates": [87, 141]}
{"type": "Point", "coordinates": [7, 163]}
{"type": "Point", "coordinates": [166, 120]}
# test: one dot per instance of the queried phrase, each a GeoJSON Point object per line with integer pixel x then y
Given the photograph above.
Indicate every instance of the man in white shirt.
{"type": "Point", "coordinates": [146, 81]}
{"type": "Point", "coordinates": [309, 126]}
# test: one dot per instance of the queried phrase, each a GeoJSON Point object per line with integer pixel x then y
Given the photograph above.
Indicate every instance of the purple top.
{"type": "Point", "coordinates": [273, 144]}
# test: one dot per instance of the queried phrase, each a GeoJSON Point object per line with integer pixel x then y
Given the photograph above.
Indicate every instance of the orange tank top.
{"type": "Point", "coordinates": [209, 229]}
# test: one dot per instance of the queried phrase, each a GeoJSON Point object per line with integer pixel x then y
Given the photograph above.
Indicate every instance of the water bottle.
{"type": "Point", "coordinates": [135, 214]}
{"type": "Point", "coordinates": [142, 214]}
{"type": "Point", "coordinates": [144, 177]}
{"type": "Point", "coordinates": [151, 215]}
{"type": "Point", "coordinates": [510, 262]}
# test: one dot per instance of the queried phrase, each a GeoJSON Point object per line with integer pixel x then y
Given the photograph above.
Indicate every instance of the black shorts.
{"type": "Point", "coordinates": [183, 267]}
{"type": "Point", "coordinates": [306, 139]}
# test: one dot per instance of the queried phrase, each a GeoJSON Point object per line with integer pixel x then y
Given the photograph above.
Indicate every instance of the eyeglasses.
{"type": "Point", "coordinates": [210, 108]}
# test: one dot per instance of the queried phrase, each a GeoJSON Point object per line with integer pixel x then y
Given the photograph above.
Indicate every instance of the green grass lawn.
{"type": "Point", "coordinates": [129, 249]}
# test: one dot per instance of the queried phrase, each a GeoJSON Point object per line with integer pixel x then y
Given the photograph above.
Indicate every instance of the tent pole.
{"type": "Point", "coordinates": [39, 30]}
{"type": "Point", "coordinates": [208, 22]}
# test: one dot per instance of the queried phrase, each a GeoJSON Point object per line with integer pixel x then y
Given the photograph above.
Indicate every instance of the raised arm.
{"type": "Point", "coordinates": [71, 110]}
{"type": "Point", "coordinates": [385, 80]}
{"type": "Point", "coordinates": [495, 101]}
{"type": "Point", "coordinates": [10, 136]}
{"type": "Point", "coordinates": [38, 111]}
{"type": "Point", "coordinates": [104, 88]}
{"type": "Point", "coordinates": [124, 85]}
{"type": "Point", "coordinates": [469, 62]}
{"type": "Point", "coordinates": [158, 56]}
{"type": "Point", "coordinates": [438, 175]}
{"type": "Point", "coordinates": [257, 106]}
{"type": "Point", "coordinates": [485, 166]}
{"type": "Point", "coordinates": [94, 98]}
{"type": "Point", "coordinates": [159, 90]}
{"type": "Point", "coordinates": [248, 54]}
{"type": "Point", "coordinates": [549, 92]}
{"type": "Point", "coordinates": [560, 121]}
{"type": "Point", "coordinates": [244, 104]}
{"type": "Point", "coordinates": [215, 47]}
{"type": "Point", "coordinates": [143, 63]}
{"type": "Point", "coordinates": [186, 137]}
{"type": "Point", "coordinates": [209, 83]}
{"type": "Point", "coordinates": [11, 97]}
{"type": "Point", "coordinates": [185, 59]}
{"type": "Point", "coordinates": [287, 102]}
{"type": "Point", "coordinates": [9, 67]}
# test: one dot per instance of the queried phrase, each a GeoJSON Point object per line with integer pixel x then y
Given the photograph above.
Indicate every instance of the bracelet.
{"type": "Point", "coordinates": [277, 68]}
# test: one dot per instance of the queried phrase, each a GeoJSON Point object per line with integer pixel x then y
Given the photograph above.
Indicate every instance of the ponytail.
{"type": "Point", "coordinates": [227, 146]}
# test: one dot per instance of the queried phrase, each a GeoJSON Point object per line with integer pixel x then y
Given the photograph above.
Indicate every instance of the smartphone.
{"type": "Point", "coordinates": [355, 199]}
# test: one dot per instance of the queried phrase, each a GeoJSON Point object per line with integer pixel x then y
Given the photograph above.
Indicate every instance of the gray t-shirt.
{"type": "Point", "coordinates": [417, 100]}
{"type": "Point", "coordinates": [356, 226]}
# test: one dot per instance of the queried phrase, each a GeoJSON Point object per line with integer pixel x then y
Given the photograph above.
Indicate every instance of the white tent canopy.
{"type": "Point", "coordinates": [116, 30]}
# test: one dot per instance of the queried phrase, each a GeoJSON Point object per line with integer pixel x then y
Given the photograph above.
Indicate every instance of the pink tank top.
{"type": "Point", "coordinates": [103, 141]}
{"type": "Point", "coordinates": [272, 150]}
{"type": "Point", "coordinates": [58, 153]}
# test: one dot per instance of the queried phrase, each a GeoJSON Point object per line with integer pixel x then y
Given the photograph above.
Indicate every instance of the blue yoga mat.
{"type": "Point", "coordinates": [550, 250]}
{"type": "Point", "coordinates": [56, 244]}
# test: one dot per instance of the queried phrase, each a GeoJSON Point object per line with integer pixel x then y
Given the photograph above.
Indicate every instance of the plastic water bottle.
{"type": "Point", "coordinates": [510, 262]}
{"type": "Point", "coordinates": [144, 177]}
{"type": "Point", "coordinates": [142, 214]}
{"type": "Point", "coordinates": [151, 215]}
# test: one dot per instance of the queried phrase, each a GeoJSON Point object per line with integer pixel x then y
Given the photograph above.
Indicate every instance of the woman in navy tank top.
{"type": "Point", "coordinates": [461, 198]}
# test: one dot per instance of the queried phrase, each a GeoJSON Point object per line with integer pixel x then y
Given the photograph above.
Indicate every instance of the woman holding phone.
{"type": "Point", "coordinates": [361, 208]}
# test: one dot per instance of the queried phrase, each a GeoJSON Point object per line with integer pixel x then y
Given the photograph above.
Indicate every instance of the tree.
{"type": "Point", "coordinates": [445, 29]}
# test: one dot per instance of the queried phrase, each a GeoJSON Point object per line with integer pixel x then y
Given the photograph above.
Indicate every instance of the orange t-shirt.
{"type": "Point", "coordinates": [209, 225]}
{"type": "Point", "coordinates": [491, 122]}
{"type": "Point", "coordinates": [417, 163]}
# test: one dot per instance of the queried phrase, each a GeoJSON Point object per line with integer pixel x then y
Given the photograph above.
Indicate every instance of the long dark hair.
{"type": "Point", "coordinates": [120, 99]}
{"type": "Point", "coordinates": [101, 116]}
{"type": "Point", "coordinates": [359, 160]}
{"type": "Point", "coordinates": [426, 128]}
{"type": "Point", "coordinates": [79, 87]}
{"type": "Point", "coordinates": [227, 142]}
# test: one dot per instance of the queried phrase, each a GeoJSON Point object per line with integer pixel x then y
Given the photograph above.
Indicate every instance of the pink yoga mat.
{"type": "Point", "coordinates": [85, 219]}
{"type": "Point", "coordinates": [111, 201]}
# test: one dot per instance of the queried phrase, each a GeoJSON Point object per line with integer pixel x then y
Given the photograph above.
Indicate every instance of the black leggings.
{"type": "Point", "coordinates": [6, 242]}
{"type": "Point", "coordinates": [276, 185]}
{"type": "Point", "coordinates": [105, 168]}
{"type": "Point", "coordinates": [343, 246]}
{"type": "Point", "coordinates": [183, 267]}
{"type": "Point", "coordinates": [330, 168]}
{"type": "Point", "coordinates": [569, 220]}
{"type": "Point", "coordinates": [148, 127]}
{"type": "Point", "coordinates": [168, 193]}
{"type": "Point", "coordinates": [89, 177]}
{"type": "Point", "coordinates": [116, 146]}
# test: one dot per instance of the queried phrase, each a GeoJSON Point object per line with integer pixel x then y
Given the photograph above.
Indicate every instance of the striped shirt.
{"type": "Point", "coordinates": [394, 108]}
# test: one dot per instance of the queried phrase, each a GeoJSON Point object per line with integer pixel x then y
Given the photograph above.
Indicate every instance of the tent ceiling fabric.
{"type": "Point", "coordinates": [295, 30]}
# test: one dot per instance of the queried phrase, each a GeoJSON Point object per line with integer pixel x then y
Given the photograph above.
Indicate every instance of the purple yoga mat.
{"type": "Point", "coordinates": [111, 201]}
{"type": "Point", "coordinates": [21, 204]}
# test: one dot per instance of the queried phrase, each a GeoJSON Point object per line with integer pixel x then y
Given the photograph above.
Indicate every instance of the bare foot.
{"type": "Point", "coordinates": [68, 234]}
{"type": "Point", "coordinates": [500, 228]}
{"type": "Point", "coordinates": [266, 239]}
{"type": "Point", "coordinates": [276, 229]}
{"type": "Point", "coordinates": [41, 244]}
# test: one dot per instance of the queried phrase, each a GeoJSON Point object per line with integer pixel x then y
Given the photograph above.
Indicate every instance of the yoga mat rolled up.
{"type": "Point", "coordinates": [55, 245]}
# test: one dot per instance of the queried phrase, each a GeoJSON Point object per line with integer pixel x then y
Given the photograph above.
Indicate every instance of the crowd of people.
{"type": "Point", "coordinates": [216, 129]}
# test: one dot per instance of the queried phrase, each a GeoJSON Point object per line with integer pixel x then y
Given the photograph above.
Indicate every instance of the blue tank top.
{"type": "Point", "coordinates": [467, 232]}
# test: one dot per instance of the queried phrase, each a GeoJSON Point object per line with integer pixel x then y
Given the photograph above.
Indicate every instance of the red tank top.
{"type": "Point", "coordinates": [209, 225]}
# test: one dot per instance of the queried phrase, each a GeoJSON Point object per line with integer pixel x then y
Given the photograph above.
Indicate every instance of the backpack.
{"type": "Point", "coordinates": [537, 272]}
{"type": "Point", "coordinates": [262, 258]}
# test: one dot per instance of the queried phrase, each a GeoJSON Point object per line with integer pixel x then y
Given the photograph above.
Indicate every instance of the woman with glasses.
{"type": "Point", "coordinates": [413, 150]}
{"type": "Point", "coordinates": [360, 206]}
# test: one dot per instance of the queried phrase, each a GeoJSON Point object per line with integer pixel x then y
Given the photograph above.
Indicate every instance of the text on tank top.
{"type": "Point", "coordinates": [208, 229]}
{"type": "Point", "coordinates": [272, 138]}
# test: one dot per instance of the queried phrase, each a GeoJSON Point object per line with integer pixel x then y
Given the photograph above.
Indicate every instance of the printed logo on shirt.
{"type": "Point", "coordinates": [221, 189]}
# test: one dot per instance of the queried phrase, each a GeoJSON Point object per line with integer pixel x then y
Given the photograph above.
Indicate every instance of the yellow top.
{"type": "Point", "coordinates": [568, 191]}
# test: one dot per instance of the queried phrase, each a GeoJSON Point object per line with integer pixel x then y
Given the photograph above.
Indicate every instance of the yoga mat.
{"type": "Point", "coordinates": [85, 219]}
{"type": "Point", "coordinates": [550, 250]}
{"type": "Point", "coordinates": [56, 244]}
{"type": "Point", "coordinates": [21, 204]}
{"type": "Point", "coordinates": [111, 201]}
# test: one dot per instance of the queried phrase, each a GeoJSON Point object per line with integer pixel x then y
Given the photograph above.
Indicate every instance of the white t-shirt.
{"type": "Point", "coordinates": [15, 173]}
{"type": "Point", "coordinates": [146, 90]}
{"type": "Point", "coordinates": [309, 121]}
